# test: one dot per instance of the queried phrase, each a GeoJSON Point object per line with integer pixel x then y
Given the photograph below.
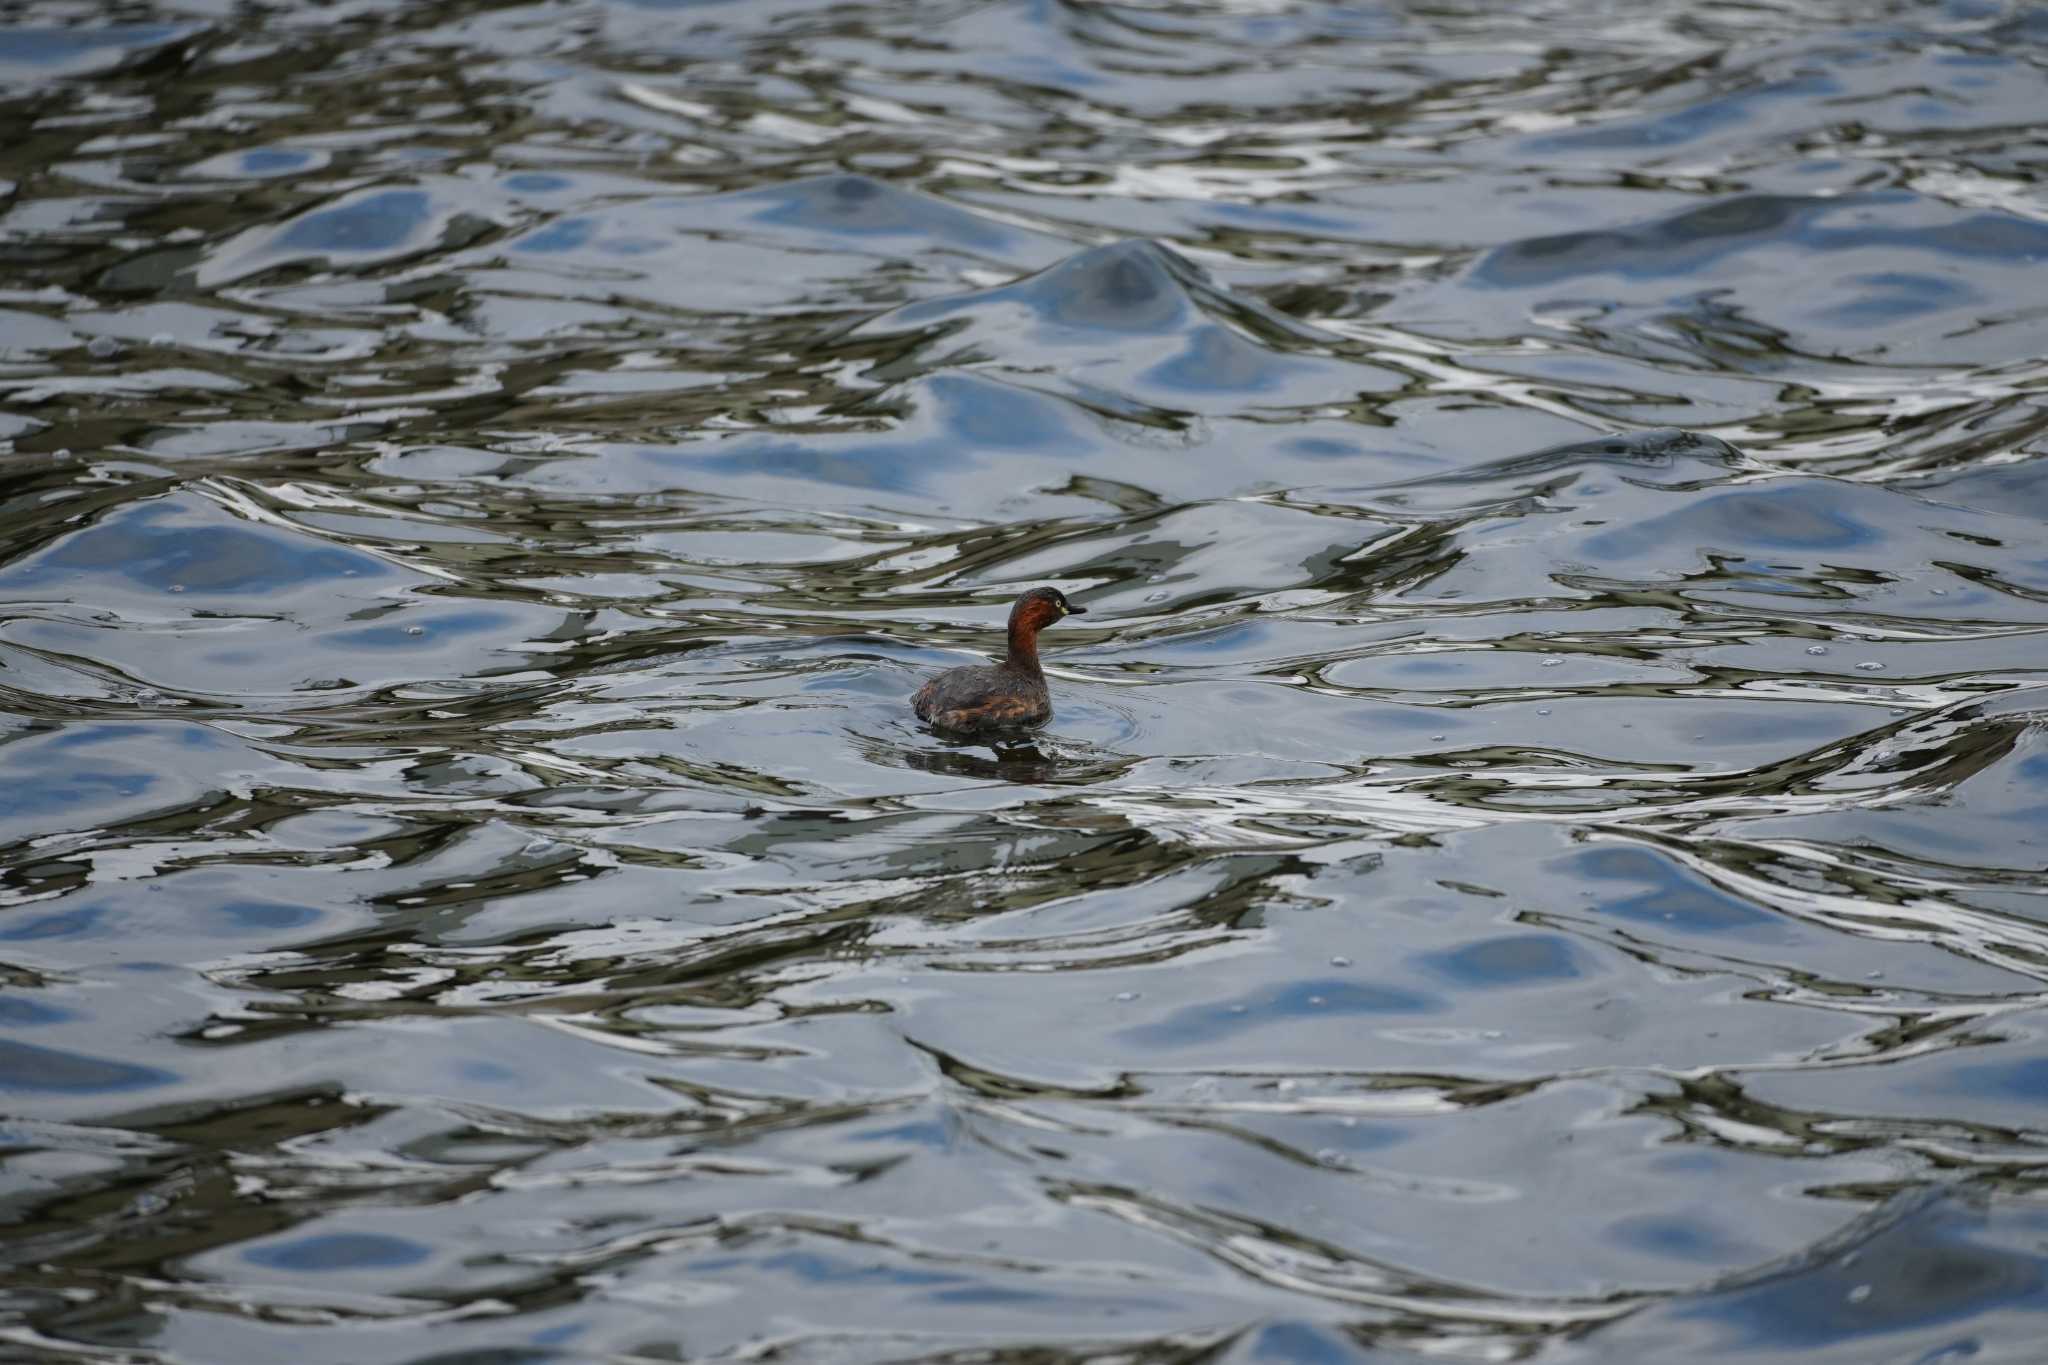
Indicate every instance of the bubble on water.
{"type": "Point", "coordinates": [1126, 997]}
{"type": "Point", "coordinates": [1870, 666]}
{"type": "Point", "coordinates": [1238, 1009]}
{"type": "Point", "coordinates": [1159, 596]}
{"type": "Point", "coordinates": [1315, 1000]}
{"type": "Point", "coordinates": [163, 339]}
{"type": "Point", "coordinates": [1816, 650]}
{"type": "Point", "coordinates": [177, 587]}
{"type": "Point", "coordinates": [1340, 961]}
{"type": "Point", "coordinates": [1552, 662]}
{"type": "Point", "coordinates": [1939, 592]}
{"type": "Point", "coordinates": [103, 347]}
{"type": "Point", "coordinates": [415, 630]}
{"type": "Point", "coordinates": [1542, 710]}
{"type": "Point", "coordinates": [1859, 1293]}
{"type": "Point", "coordinates": [1436, 739]}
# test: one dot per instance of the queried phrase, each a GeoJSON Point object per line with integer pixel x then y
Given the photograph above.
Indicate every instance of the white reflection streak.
{"type": "Point", "coordinates": [2006, 942]}
{"type": "Point", "coordinates": [1352, 1280]}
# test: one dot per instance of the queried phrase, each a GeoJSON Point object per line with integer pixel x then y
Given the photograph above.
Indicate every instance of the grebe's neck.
{"type": "Point", "coordinates": [1023, 654]}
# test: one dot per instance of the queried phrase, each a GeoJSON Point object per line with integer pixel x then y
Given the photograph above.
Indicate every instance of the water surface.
{"type": "Point", "coordinates": [1541, 851]}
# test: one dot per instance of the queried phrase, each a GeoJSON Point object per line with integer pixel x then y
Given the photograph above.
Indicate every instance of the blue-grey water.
{"type": "Point", "coordinates": [1540, 854]}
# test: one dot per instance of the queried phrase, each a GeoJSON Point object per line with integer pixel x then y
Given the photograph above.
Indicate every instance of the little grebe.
{"type": "Point", "coordinates": [1009, 696]}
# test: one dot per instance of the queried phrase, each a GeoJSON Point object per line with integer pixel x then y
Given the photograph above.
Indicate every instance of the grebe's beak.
{"type": "Point", "coordinates": [1073, 610]}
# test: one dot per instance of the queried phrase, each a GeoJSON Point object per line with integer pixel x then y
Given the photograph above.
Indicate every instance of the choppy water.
{"type": "Point", "coordinates": [484, 480]}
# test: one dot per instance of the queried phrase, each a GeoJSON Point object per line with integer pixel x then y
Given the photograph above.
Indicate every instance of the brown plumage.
{"type": "Point", "coordinates": [1010, 695]}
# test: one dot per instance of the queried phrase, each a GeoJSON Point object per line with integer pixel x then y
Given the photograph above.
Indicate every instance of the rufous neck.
{"type": "Point", "coordinates": [1023, 647]}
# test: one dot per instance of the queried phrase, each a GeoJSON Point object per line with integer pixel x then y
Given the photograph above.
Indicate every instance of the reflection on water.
{"type": "Point", "coordinates": [1541, 849]}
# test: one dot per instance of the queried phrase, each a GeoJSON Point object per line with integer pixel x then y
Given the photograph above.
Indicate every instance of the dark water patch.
{"type": "Point", "coordinates": [261, 163]}
{"type": "Point", "coordinates": [262, 915]}
{"type": "Point", "coordinates": [954, 427]}
{"type": "Point", "coordinates": [25, 1068]}
{"type": "Point", "coordinates": [1129, 287]}
{"type": "Point", "coordinates": [1658, 457]}
{"type": "Point", "coordinates": [359, 231]}
{"type": "Point", "coordinates": [62, 924]}
{"type": "Point", "coordinates": [1788, 518]}
{"type": "Point", "coordinates": [1772, 284]}
{"type": "Point", "coordinates": [45, 54]}
{"type": "Point", "coordinates": [711, 253]}
{"type": "Point", "coordinates": [1656, 890]}
{"type": "Point", "coordinates": [340, 1251]}
{"type": "Point", "coordinates": [1675, 130]}
{"type": "Point", "coordinates": [2025, 1080]}
{"type": "Point", "coordinates": [1691, 1238]}
{"type": "Point", "coordinates": [2021, 489]}
{"type": "Point", "coordinates": [184, 544]}
{"type": "Point", "coordinates": [1685, 242]}
{"type": "Point", "coordinates": [179, 593]}
{"type": "Point", "coordinates": [862, 206]}
{"type": "Point", "coordinates": [91, 776]}
{"type": "Point", "coordinates": [21, 1012]}
{"type": "Point", "coordinates": [199, 912]}
{"type": "Point", "coordinates": [949, 433]}
{"type": "Point", "coordinates": [1899, 1281]}
{"type": "Point", "coordinates": [1139, 321]}
{"type": "Point", "coordinates": [1509, 960]}
{"type": "Point", "coordinates": [1308, 998]}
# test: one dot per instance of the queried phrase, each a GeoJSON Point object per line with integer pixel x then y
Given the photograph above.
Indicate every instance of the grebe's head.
{"type": "Point", "coordinates": [1040, 607]}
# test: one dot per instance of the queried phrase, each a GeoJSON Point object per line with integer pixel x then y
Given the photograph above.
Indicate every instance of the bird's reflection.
{"type": "Point", "coordinates": [1008, 761]}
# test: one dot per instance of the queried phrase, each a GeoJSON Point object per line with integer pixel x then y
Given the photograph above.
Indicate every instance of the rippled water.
{"type": "Point", "coordinates": [1540, 853]}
